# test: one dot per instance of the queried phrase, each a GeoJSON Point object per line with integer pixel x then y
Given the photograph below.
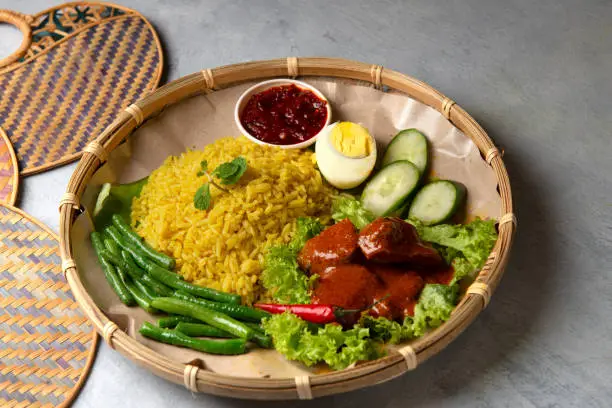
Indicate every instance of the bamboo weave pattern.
{"type": "Point", "coordinates": [8, 170]}
{"type": "Point", "coordinates": [55, 24]}
{"type": "Point", "coordinates": [74, 80]}
{"type": "Point", "coordinates": [45, 340]}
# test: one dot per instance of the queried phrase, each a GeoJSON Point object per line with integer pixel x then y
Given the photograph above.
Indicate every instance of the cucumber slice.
{"type": "Point", "coordinates": [436, 202]}
{"type": "Point", "coordinates": [411, 145]}
{"type": "Point", "coordinates": [389, 189]}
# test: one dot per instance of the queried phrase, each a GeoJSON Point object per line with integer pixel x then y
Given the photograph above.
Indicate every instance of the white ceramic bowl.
{"type": "Point", "coordinates": [262, 86]}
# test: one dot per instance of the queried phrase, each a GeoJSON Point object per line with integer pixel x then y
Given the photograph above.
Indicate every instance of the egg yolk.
{"type": "Point", "coordinates": [351, 140]}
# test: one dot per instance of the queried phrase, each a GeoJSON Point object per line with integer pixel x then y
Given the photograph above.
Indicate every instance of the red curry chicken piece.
{"type": "Point", "coordinates": [402, 286]}
{"type": "Point", "coordinates": [334, 246]}
{"type": "Point", "coordinates": [386, 265]}
{"type": "Point", "coordinates": [392, 240]}
{"type": "Point", "coordinates": [442, 276]}
{"type": "Point", "coordinates": [348, 286]}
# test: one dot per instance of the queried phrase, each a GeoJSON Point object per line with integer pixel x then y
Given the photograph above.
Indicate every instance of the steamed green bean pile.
{"type": "Point", "coordinates": [141, 276]}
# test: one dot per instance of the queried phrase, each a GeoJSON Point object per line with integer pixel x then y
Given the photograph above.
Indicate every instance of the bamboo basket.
{"type": "Point", "coordinates": [192, 375]}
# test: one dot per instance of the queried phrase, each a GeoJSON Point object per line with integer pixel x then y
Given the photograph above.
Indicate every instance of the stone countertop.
{"type": "Point", "coordinates": [537, 76]}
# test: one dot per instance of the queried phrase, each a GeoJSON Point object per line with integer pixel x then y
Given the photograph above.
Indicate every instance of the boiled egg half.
{"type": "Point", "coordinates": [346, 154]}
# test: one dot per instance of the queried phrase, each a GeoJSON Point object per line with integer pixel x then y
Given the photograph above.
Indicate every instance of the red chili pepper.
{"type": "Point", "coordinates": [314, 313]}
{"type": "Point", "coordinates": [320, 314]}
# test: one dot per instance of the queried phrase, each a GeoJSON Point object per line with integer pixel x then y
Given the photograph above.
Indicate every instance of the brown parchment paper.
{"type": "Point", "coordinates": [195, 122]}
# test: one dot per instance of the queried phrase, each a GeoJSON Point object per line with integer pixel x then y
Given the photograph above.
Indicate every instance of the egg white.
{"type": "Point", "coordinates": [341, 171]}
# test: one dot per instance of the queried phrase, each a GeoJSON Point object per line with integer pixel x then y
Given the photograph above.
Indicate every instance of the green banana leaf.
{"type": "Point", "coordinates": [116, 199]}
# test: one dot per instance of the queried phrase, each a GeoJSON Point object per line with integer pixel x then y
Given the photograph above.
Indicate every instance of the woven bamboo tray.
{"type": "Point", "coordinates": [192, 375]}
{"type": "Point", "coordinates": [9, 171]}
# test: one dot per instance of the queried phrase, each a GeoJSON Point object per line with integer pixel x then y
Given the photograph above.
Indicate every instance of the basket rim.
{"type": "Point", "coordinates": [369, 373]}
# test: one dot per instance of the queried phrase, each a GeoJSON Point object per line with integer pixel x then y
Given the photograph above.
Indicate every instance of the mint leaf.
{"type": "Point", "coordinates": [203, 166]}
{"type": "Point", "coordinates": [202, 198]}
{"type": "Point", "coordinates": [231, 172]}
{"type": "Point", "coordinates": [241, 163]}
{"type": "Point", "coordinates": [225, 170]}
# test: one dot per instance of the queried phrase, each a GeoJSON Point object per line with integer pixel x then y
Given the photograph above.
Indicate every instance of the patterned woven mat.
{"type": "Point", "coordinates": [47, 345]}
{"type": "Point", "coordinates": [86, 62]}
{"type": "Point", "coordinates": [9, 172]}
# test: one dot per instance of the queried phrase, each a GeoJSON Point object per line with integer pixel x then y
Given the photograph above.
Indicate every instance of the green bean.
{"type": "Point", "coordinates": [120, 272]}
{"type": "Point", "coordinates": [125, 255]}
{"type": "Point", "coordinates": [150, 293]}
{"type": "Point", "coordinates": [135, 287]}
{"type": "Point", "coordinates": [138, 256]}
{"type": "Point", "coordinates": [143, 300]}
{"type": "Point", "coordinates": [205, 330]}
{"type": "Point", "coordinates": [174, 281]}
{"type": "Point", "coordinates": [159, 288]}
{"type": "Point", "coordinates": [111, 246]}
{"type": "Point", "coordinates": [201, 330]}
{"type": "Point", "coordinates": [114, 234]}
{"type": "Point", "coordinates": [236, 311]}
{"type": "Point", "coordinates": [231, 346]}
{"type": "Point", "coordinates": [169, 278]}
{"type": "Point", "coordinates": [137, 259]}
{"type": "Point", "coordinates": [255, 326]}
{"type": "Point", "coordinates": [214, 318]}
{"type": "Point", "coordinates": [127, 263]}
{"type": "Point", "coordinates": [138, 276]}
{"type": "Point", "coordinates": [109, 271]}
{"type": "Point", "coordinates": [259, 335]}
{"type": "Point", "coordinates": [133, 238]}
{"type": "Point", "coordinates": [262, 339]}
{"type": "Point", "coordinates": [170, 322]}
{"type": "Point", "coordinates": [121, 264]}
{"type": "Point", "coordinates": [104, 235]}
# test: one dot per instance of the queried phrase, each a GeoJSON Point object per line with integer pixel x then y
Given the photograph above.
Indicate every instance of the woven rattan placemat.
{"type": "Point", "coordinates": [47, 345]}
{"type": "Point", "coordinates": [9, 172]}
{"type": "Point", "coordinates": [79, 66]}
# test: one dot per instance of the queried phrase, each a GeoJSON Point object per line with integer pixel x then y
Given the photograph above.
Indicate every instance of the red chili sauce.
{"type": "Point", "coordinates": [386, 260]}
{"type": "Point", "coordinates": [284, 115]}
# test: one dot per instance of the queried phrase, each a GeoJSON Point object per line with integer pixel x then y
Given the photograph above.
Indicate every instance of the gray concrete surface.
{"type": "Point", "coordinates": [537, 75]}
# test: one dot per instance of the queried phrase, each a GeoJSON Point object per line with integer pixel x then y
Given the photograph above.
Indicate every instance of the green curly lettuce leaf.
{"type": "Point", "coordinates": [330, 344]}
{"type": "Point", "coordinates": [473, 240]}
{"type": "Point", "coordinates": [281, 274]}
{"type": "Point", "coordinates": [463, 269]}
{"type": "Point", "coordinates": [306, 229]}
{"type": "Point", "coordinates": [434, 307]}
{"type": "Point", "coordinates": [346, 206]}
{"type": "Point", "coordinates": [464, 246]}
{"type": "Point", "coordinates": [283, 278]}
{"type": "Point", "coordinates": [385, 330]}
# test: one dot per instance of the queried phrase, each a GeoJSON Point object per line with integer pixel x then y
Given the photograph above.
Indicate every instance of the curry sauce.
{"type": "Point", "coordinates": [386, 264]}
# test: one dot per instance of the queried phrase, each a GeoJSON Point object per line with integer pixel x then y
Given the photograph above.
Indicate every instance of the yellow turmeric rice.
{"type": "Point", "coordinates": [223, 247]}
